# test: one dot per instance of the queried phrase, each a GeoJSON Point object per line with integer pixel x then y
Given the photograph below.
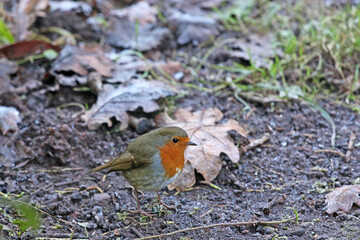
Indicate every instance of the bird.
{"type": "Point", "coordinates": [151, 161]}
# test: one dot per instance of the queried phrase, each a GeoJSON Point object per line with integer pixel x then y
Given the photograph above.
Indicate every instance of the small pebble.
{"type": "Point", "coordinates": [97, 213]}
{"type": "Point", "coordinates": [297, 232]}
{"type": "Point", "coordinates": [99, 197]}
{"type": "Point", "coordinates": [85, 194]}
{"type": "Point", "coordinates": [76, 196]}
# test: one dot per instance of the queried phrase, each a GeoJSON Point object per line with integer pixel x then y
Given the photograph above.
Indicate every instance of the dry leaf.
{"type": "Point", "coordinates": [126, 67]}
{"type": "Point", "coordinates": [197, 7]}
{"type": "Point", "coordinates": [257, 48]}
{"type": "Point", "coordinates": [342, 198]}
{"type": "Point", "coordinates": [130, 66]}
{"type": "Point", "coordinates": [127, 34]}
{"type": "Point", "coordinates": [114, 102]}
{"type": "Point", "coordinates": [79, 60]}
{"type": "Point", "coordinates": [23, 49]}
{"type": "Point", "coordinates": [192, 28]}
{"type": "Point", "coordinates": [14, 153]}
{"type": "Point", "coordinates": [6, 67]}
{"type": "Point", "coordinates": [9, 118]}
{"type": "Point", "coordinates": [65, 6]}
{"type": "Point", "coordinates": [141, 11]}
{"type": "Point", "coordinates": [27, 11]}
{"type": "Point", "coordinates": [211, 138]}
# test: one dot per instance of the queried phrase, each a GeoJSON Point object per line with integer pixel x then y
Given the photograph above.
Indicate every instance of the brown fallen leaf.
{"type": "Point", "coordinates": [25, 15]}
{"type": "Point", "coordinates": [6, 67]}
{"type": "Point", "coordinates": [130, 66]}
{"type": "Point", "coordinates": [14, 153]}
{"type": "Point", "coordinates": [342, 198]}
{"type": "Point", "coordinates": [211, 138]}
{"type": "Point", "coordinates": [22, 49]}
{"type": "Point", "coordinates": [115, 102]}
{"type": "Point", "coordinates": [192, 28]}
{"type": "Point", "coordinates": [66, 6]}
{"type": "Point", "coordinates": [79, 60]}
{"type": "Point", "coordinates": [256, 48]}
{"type": "Point", "coordinates": [126, 34]}
{"type": "Point", "coordinates": [9, 118]}
{"type": "Point", "coordinates": [141, 11]}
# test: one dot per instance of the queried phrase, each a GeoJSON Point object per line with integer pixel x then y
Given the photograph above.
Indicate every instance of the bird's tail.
{"type": "Point", "coordinates": [101, 167]}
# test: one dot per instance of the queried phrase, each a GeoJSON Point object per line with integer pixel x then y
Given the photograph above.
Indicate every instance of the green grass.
{"type": "Point", "coordinates": [6, 36]}
{"type": "Point", "coordinates": [320, 49]}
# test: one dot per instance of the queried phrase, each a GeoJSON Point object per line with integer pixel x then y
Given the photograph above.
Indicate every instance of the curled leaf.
{"type": "Point", "coordinates": [342, 198]}
{"type": "Point", "coordinates": [115, 102]}
{"type": "Point", "coordinates": [9, 118]}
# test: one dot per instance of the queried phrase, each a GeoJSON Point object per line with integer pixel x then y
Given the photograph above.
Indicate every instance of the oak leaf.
{"type": "Point", "coordinates": [211, 139]}
{"type": "Point", "coordinates": [80, 61]}
{"type": "Point", "coordinates": [9, 118]}
{"type": "Point", "coordinates": [342, 198]}
{"type": "Point", "coordinates": [127, 34]}
{"type": "Point", "coordinates": [115, 102]}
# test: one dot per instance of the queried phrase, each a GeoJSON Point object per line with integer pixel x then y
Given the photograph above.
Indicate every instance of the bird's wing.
{"type": "Point", "coordinates": [125, 161]}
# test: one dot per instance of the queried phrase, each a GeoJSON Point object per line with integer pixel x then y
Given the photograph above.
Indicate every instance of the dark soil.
{"type": "Point", "coordinates": [49, 157]}
{"type": "Point", "coordinates": [267, 183]}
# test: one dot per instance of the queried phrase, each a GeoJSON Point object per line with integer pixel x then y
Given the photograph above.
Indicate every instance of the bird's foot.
{"type": "Point", "coordinates": [171, 207]}
{"type": "Point", "coordinates": [162, 203]}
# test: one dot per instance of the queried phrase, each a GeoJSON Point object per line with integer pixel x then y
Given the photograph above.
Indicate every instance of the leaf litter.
{"type": "Point", "coordinates": [75, 63]}
{"type": "Point", "coordinates": [9, 118]}
{"type": "Point", "coordinates": [6, 68]}
{"type": "Point", "coordinates": [211, 138]}
{"type": "Point", "coordinates": [130, 35]}
{"type": "Point", "coordinates": [190, 28]}
{"type": "Point", "coordinates": [140, 11]}
{"type": "Point", "coordinates": [115, 102]}
{"type": "Point", "coordinates": [129, 66]}
{"type": "Point", "coordinates": [255, 48]}
{"type": "Point", "coordinates": [342, 198]}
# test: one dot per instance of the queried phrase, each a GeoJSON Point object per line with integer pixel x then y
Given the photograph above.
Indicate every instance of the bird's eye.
{"type": "Point", "coordinates": [175, 140]}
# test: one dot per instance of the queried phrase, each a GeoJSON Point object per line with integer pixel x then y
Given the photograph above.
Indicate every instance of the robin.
{"type": "Point", "coordinates": [152, 161]}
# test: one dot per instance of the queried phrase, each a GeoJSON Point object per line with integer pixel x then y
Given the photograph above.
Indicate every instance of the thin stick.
{"type": "Point", "coordinates": [218, 225]}
{"type": "Point", "coordinates": [54, 170]}
{"type": "Point", "coordinates": [257, 142]}
{"type": "Point", "coordinates": [350, 146]}
{"type": "Point", "coordinates": [331, 151]}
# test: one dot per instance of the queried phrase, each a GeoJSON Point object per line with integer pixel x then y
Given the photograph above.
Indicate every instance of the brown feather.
{"type": "Point", "coordinates": [123, 162]}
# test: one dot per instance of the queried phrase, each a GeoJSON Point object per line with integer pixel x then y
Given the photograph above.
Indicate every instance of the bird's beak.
{"type": "Point", "coordinates": [191, 144]}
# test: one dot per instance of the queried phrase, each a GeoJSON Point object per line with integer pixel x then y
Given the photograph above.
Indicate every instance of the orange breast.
{"type": "Point", "coordinates": [172, 156]}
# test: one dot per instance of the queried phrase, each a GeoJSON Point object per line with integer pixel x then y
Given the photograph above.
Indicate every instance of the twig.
{"type": "Point", "coordinates": [136, 232]}
{"type": "Point", "coordinates": [94, 188]}
{"type": "Point", "coordinates": [65, 183]}
{"type": "Point", "coordinates": [331, 151]}
{"type": "Point", "coordinates": [256, 142]}
{"type": "Point", "coordinates": [219, 225]}
{"type": "Point", "coordinates": [53, 170]}
{"type": "Point", "coordinates": [204, 214]}
{"type": "Point", "coordinates": [350, 145]}
{"type": "Point", "coordinates": [73, 104]}
{"type": "Point", "coordinates": [268, 206]}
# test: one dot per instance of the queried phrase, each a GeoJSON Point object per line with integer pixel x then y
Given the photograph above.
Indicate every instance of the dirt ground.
{"type": "Point", "coordinates": [49, 157]}
{"type": "Point", "coordinates": [267, 183]}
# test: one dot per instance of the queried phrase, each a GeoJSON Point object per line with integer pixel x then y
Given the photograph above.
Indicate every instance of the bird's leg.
{"type": "Point", "coordinates": [138, 205]}
{"type": "Point", "coordinates": [162, 203]}
{"type": "Point", "coordinates": [136, 195]}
